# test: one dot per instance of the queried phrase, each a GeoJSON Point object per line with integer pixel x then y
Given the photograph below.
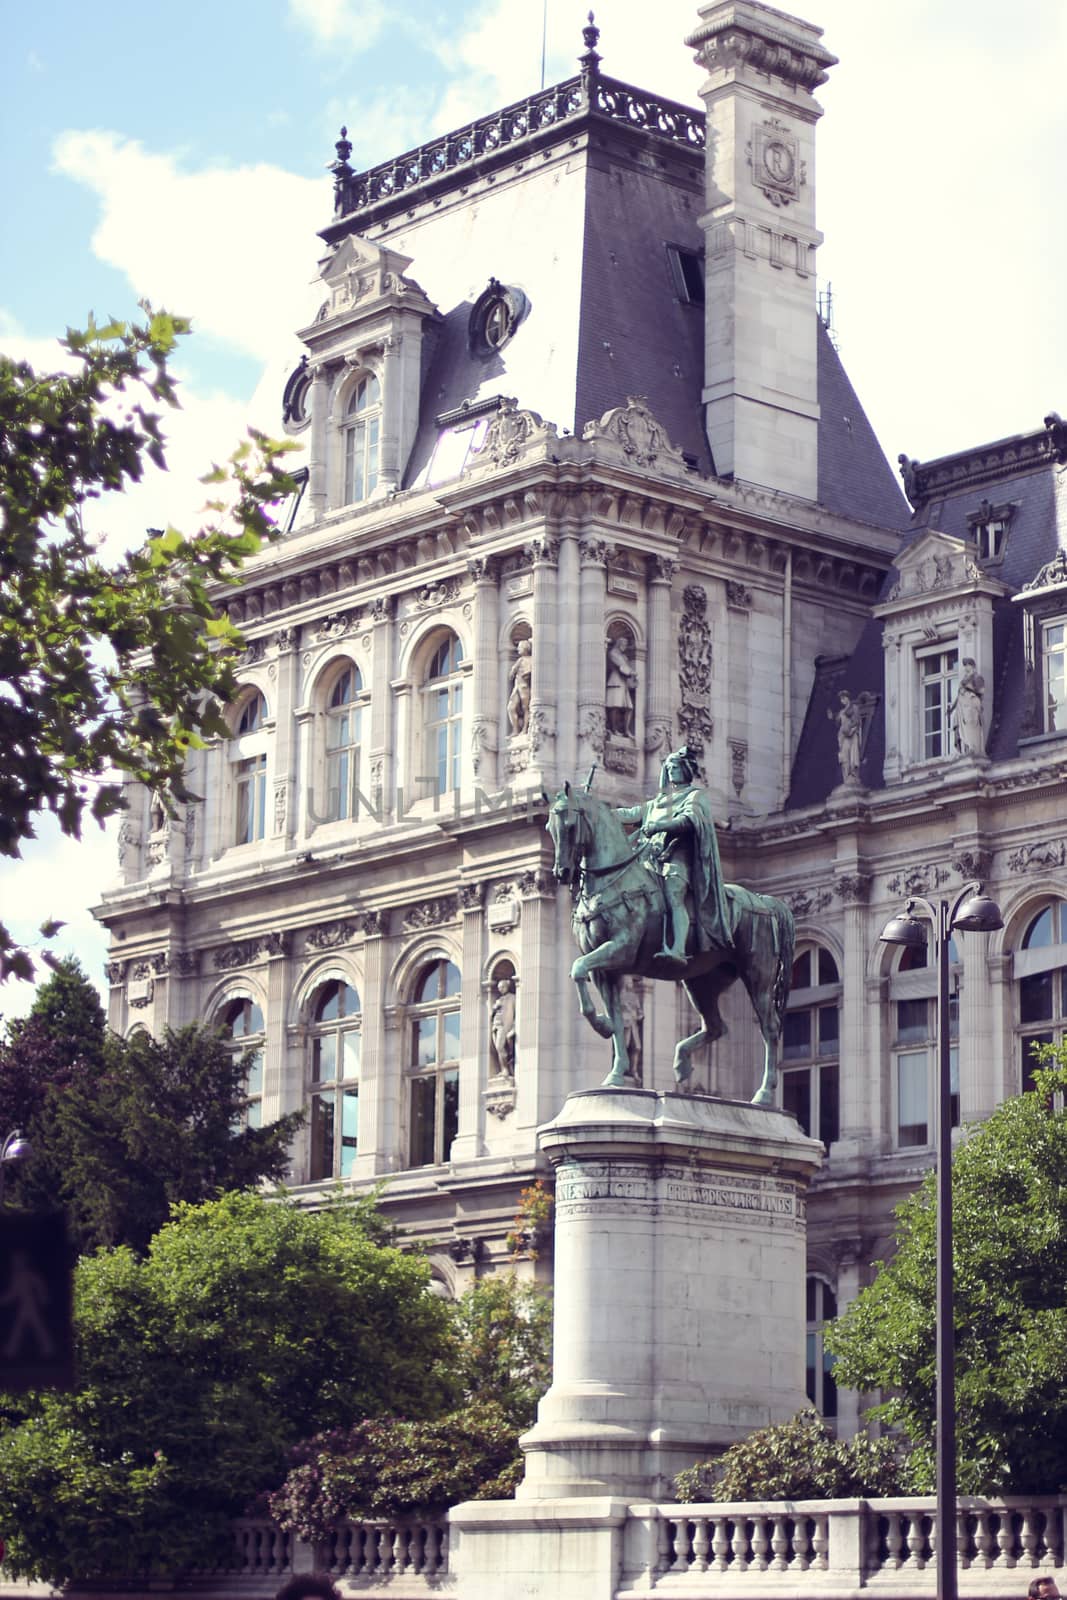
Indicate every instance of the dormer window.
{"type": "Point", "coordinates": [1054, 672]}
{"type": "Point", "coordinates": [939, 675]}
{"type": "Point", "coordinates": [989, 528]}
{"type": "Point", "coordinates": [361, 432]}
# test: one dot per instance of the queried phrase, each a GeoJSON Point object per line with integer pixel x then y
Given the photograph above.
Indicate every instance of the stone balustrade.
{"type": "Point", "coordinates": [819, 1547]}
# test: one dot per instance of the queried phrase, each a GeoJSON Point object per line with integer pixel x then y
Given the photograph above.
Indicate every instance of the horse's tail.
{"type": "Point", "coordinates": [785, 938]}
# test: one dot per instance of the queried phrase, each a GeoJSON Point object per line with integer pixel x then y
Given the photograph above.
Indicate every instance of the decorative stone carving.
{"type": "Point", "coordinates": [591, 728]}
{"type": "Point", "coordinates": [431, 913]}
{"type": "Point", "coordinates": [966, 711]}
{"type": "Point", "coordinates": [923, 879]}
{"type": "Point", "coordinates": [382, 608]}
{"type": "Point", "coordinates": [636, 433]}
{"type": "Point", "coordinates": [774, 157]}
{"type": "Point", "coordinates": [374, 924]}
{"type": "Point", "coordinates": [240, 954]}
{"type": "Point", "coordinates": [115, 973]}
{"type": "Point", "coordinates": [853, 718]}
{"type": "Point", "coordinates": [483, 737]}
{"type": "Point", "coordinates": [160, 963]}
{"type": "Point", "coordinates": [471, 896]}
{"type": "Point", "coordinates": [657, 734]}
{"type": "Point", "coordinates": [502, 1033]}
{"type": "Point", "coordinates": [287, 639]}
{"type": "Point", "coordinates": [276, 943]}
{"type": "Point", "coordinates": [1053, 575]}
{"type": "Point", "coordinates": [187, 963]}
{"type": "Point", "coordinates": [338, 624]}
{"type": "Point", "coordinates": [621, 758]}
{"type": "Point", "coordinates": [853, 886]}
{"type": "Point", "coordinates": [520, 679]}
{"type": "Point", "coordinates": [330, 935]}
{"type": "Point", "coordinates": [511, 433]}
{"type": "Point", "coordinates": [805, 903]}
{"type": "Point", "coordinates": [542, 727]}
{"type": "Point", "coordinates": [499, 1097]}
{"type": "Point", "coordinates": [537, 882]}
{"type": "Point", "coordinates": [434, 595]}
{"type": "Point", "coordinates": [694, 643]}
{"type": "Point", "coordinates": [632, 1012]}
{"type": "Point", "coordinates": [542, 551]}
{"type": "Point", "coordinates": [129, 840]}
{"type": "Point", "coordinates": [281, 801]}
{"type": "Point", "coordinates": [620, 687]}
{"type": "Point", "coordinates": [661, 569]}
{"type": "Point", "coordinates": [1038, 856]}
{"type": "Point", "coordinates": [593, 553]}
{"type": "Point", "coordinates": [738, 765]}
{"type": "Point", "coordinates": [738, 598]}
{"type": "Point", "coordinates": [482, 569]}
{"type": "Point", "coordinates": [971, 864]}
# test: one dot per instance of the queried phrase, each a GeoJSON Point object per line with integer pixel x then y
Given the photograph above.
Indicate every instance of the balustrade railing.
{"type": "Point", "coordinates": [353, 191]}
{"type": "Point", "coordinates": [813, 1546]}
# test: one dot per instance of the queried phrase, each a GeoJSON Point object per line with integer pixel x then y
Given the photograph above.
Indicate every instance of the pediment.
{"type": "Point", "coordinates": [934, 564]}
{"type": "Point", "coordinates": [360, 274]}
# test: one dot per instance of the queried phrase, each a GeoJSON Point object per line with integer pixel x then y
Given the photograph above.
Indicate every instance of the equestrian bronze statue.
{"type": "Point", "coordinates": [653, 903]}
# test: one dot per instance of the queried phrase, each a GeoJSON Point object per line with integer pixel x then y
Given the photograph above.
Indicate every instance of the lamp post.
{"type": "Point", "coordinates": [14, 1148]}
{"type": "Point", "coordinates": [971, 912]}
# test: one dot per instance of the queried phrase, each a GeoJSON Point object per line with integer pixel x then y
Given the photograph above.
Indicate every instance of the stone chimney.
{"type": "Point", "coordinates": [760, 332]}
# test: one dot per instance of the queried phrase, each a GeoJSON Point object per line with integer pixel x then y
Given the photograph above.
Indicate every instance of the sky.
{"type": "Point", "coordinates": [179, 154]}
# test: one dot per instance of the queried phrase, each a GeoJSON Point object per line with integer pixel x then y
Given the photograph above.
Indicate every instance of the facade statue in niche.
{"type": "Point", "coordinates": [621, 684]}
{"type": "Point", "coordinates": [632, 1011]}
{"type": "Point", "coordinates": [849, 734]}
{"type": "Point", "coordinates": [966, 711]}
{"type": "Point", "coordinates": [503, 1028]}
{"type": "Point", "coordinates": [519, 682]}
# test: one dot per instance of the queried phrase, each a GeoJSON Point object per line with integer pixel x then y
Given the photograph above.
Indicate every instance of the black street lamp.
{"type": "Point", "coordinates": [972, 912]}
{"type": "Point", "coordinates": [14, 1148]}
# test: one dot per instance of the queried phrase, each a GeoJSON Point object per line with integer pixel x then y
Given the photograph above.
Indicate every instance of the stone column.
{"type": "Point", "coordinates": [592, 595]}
{"type": "Point", "coordinates": [380, 1082]}
{"type": "Point", "coordinates": [860, 1071]}
{"type": "Point", "coordinates": [679, 1282]}
{"type": "Point", "coordinates": [320, 406]}
{"type": "Point", "coordinates": [658, 740]}
{"type": "Point", "coordinates": [378, 784]}
{"type": "Point", "coordinates": [286, 807]}
{"type": "Point", "coordinates": [283, 1090]}
{"type": "Point", "coordinates": [544, 553]}
{"type": "Point", "coordinates": [469, 1142]}
{"type": "Point", "coordinates": [485, 717]}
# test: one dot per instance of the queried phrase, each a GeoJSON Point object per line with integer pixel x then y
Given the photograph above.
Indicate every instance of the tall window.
{"type": "Point", "coordinates": [810, 1045]}
{"type": "Point", "coordinates": [822, 1308]}
{"type": "Point", "coordinates": [938, 677]}
{"type": "Point", "coordinates": [434, 1103]}
{"type": "Point", "coordinates": [1054, 668]}
{"type": "Point", "coordinates": [362, 426]}
{"type": "Point", "coordinates": [344, 730]}
{"type": "Point", "coordinates": [241, 1020]}
{"type": "Point", "coordinates": [914, 1024]}
{"type": "Point", "coordinates": [443, 716]}
{"type": "Point", "coordinates": [249, 771]}
{"type": "Point", "coordinates": [1041, 969]}
{"type": "Point", "coordinates": [334, 1015]}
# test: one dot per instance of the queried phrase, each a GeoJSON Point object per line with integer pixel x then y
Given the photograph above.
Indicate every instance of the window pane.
{"type": "Point", "coordinates": [829, 1108]}
{"type": "Point", "coordinates": [425, 1041]}
{"type": "Point", "coordinates": [796, 1035]}
{"type": "Point", "coordinates": [913, 957]}
{"type": "Point", "coordinates": [423, 1096]}
{"type": "Point", "coordinates": [811, 1368]}
{"type": "Point", "coordinates": [429, 987]}
{"type": "Point", "coordinates": [828, 1030]}
{"type": "Point", "coordinates": [349, 1129]}
{"type": "Point", "coordinates": [324, 1062]}
{"type": "Point", "coordinates": [451, 1032]}
{"type": "Point", "coordinates": [450, 1112]}
{"type": "Point", "coordinates": [913, 1019]}
{"type": "Point", "coordinates": [350, 1046]}
{"type": "Point", "coordinates": [320, 1164]}
{"type": "Point", "coordinates": [328, 1004]}
{"type": "Point", "coordinates": [1039, 933]}
{"type": "Point", "coordinates": [255, 1073]}
{"type": "Point", "coordinates": [1035, 997]}
{"type": "Point", "coordinates": [451, 981]}
{"type": "Point", "coordinates": [802, 971]}
{"type": "Point", "coordinates": [954, 1086]}
{"type": "Point", "coordinates": [796, 1097]}
{"type": "Point", "coordinates": [912, 1099]}
{"type": "Point", "coordinates": [1029, 1060]}
{"type": "Point", "coordinates": [827, 968]}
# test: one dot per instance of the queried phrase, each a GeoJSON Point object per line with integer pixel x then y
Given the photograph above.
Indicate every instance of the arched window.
{"type": "Point", "coordinates": [249, 771]}
{"type": "Point", "coordinates": [443, 715]}
{"type": "Point", "coordinates": [344, 732]}
{"type": "Point", "coordinates": [241, 1020]}
{"type": "Point", "coordinates": [434, 1064]}
{"type": "Point", "coordinates": [810, 1045]}
{"type": "Point", "coordinates": [821, 1309]}
{"type": "Point", "coordinates": [334, 1017]}
{"type": "Point", "coordinates": [1041, 974]}
{"type": "Point", "coordinates": [913, 1029]}
{"type": "Point", "coordinates": [360, 434]}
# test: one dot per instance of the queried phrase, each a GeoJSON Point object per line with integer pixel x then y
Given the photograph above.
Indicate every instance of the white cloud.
{"type": "Point", "coordinates": [355, 23]}
{"type": "Point", "coordinates": [233, 248]}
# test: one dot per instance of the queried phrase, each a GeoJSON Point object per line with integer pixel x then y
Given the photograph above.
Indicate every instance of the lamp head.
{"type": "Point", "coordinates": [978, 914]}
{"type": "Point", "coordinates": [905, 929]}
{"type": "Point", "coordinates": [16, 1147]}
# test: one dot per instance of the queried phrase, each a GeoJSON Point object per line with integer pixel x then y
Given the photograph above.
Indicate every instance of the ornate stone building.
{"type": "Point", "coordinates": [585, 479]}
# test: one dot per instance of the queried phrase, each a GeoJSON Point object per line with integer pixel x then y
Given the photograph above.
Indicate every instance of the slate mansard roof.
{"type": "Point", "coordinates": [576, 196]}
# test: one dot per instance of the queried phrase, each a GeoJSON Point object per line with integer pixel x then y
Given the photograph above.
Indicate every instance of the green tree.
{"type": "Point", "coordinates": [1009, 1195]}
{"type": "Point", "coordinates": [795, 1460]}
{"type": "Point", "coordinates": [122, 1129]}
{"type": "Point", "coordinates": [249, 1325]}
{"type": "Point", "coordinates": [111, 669]}
{"type": "Point", "coordinates": [385, 1467]}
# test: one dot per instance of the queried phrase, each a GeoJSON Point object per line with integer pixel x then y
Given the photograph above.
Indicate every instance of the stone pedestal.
{"type": "Point", "coordinates": [679, 1272]}
{"type": "Point", "coordinates": [679, 1286]}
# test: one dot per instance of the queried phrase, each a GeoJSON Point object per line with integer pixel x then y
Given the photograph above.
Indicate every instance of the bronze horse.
{"type": "Point", "coordinates": [618, 926]}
